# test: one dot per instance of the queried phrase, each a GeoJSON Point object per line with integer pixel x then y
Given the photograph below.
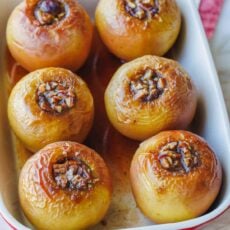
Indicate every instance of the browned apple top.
{"type": "Point", "coordinates": [48, 12]}
{"type": "Point", "coordinates": [178, 156]}
{"type": "Point", "coordinates": [55, 96]}
{"type": "Point", "coordinates": [147, 86]}
{"type": "Point", "coordinates": [142, 9]}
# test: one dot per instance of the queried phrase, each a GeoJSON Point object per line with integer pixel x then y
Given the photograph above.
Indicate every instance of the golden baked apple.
{"type": "Point", "coordinates": [133, 28]}
{"type": "Point", "coordinates": [65, 185]}
{"type": "Point", "coordinates": [48, 105]}
{"type": "Point", "coordinates": [148, 95]}
{"type": "Point", "coordinates": [49, 33]}
{"type": "Point", "coordinates": [175, 176]}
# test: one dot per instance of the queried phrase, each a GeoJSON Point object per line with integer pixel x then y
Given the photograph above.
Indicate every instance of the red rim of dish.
{"type": "Point", "coordinates": [190, 228]}
{"type": "Point", "coordinates": [6, 221]}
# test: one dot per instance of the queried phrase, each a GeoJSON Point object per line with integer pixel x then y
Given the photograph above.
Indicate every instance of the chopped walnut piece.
{"type": "Point", "coordinates": [60, 168]}
{"type": "Point", "coordinates": [55, 96]}
{"type": "Point", "coordinates": [73, 174]}
{"type": "Point", "coordinates": [142, 9]}
{"type": "Point", "coordinates": [178, 156]}
{"type": "Point", "coordinates": [61, 181]}
{"type": "Point", "coordinates": [146, 87]}
{"type": "Point", "coordinates": [170, 146]}
{"type": "Point", "coordinates": [161, 83]}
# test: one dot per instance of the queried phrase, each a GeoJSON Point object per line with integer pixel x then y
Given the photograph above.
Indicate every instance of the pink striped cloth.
{"type": "Point", "coordinates": [209, 11]}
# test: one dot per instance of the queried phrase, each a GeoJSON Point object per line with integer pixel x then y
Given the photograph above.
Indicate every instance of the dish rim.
{"type": "Point", "coordinates": [188, 224]}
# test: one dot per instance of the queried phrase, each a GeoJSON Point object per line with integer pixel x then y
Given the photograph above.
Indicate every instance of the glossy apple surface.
{"type": "Point", "coordinates": [65, 185]}
{"type": "Point", "coordinates": [148, 95]}
{"type": "Point", "coordinates": [175, 176]}
{"type": "Point", "coordinates": [129, 35]}
{"type": "Point", "coordinates": [63, 42]}
{"type": "Point", "coordinates": [32, 119]}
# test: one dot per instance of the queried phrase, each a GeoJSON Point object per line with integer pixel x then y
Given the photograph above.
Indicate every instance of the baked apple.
{"type": "Point", "coordinates": [175, 176]}
{"type": "Point", "coordinates": [133, 28]}
{"type": "Point", "coordinates": [45, 33]}
{"type": "Point", "coordinates": [148, 95]}
{"type": "Point", "coordinates": [48, 105]}
{"type": "Point", "coordinates": [65, 185]}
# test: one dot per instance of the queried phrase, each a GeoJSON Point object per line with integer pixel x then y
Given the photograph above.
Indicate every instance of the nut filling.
{"type": "Point", "coordinates": [55, 96]}
{"type": "Point", "coordinates": [178, 156]}
{"type": "Point", "coordinates": [148, 86]}
{"type": "Point", "coordinates": [73, 174]}
{"type": "Point", "coordinates": [142, 9]}
{"type": "Point", "coordinates": [48, 12]}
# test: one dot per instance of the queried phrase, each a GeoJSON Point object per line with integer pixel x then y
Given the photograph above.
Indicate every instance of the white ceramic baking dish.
{"type": "Point", "coordinates": [211, 120]}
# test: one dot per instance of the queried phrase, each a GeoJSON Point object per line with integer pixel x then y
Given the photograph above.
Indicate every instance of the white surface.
{"type": "Point", "coordinates": [220, 47]}
{"type": "Point", "coordinates": [221, 51]}
{"type": "Point", "coordinates": [3, 225]}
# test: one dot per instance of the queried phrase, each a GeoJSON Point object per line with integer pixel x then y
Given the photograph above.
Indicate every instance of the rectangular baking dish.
{"type": "Point", "coordinates": [211, 121]}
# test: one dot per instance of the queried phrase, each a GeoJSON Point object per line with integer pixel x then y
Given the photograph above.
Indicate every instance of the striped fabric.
{"type": "Point", "coordinates": [209, 12]}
